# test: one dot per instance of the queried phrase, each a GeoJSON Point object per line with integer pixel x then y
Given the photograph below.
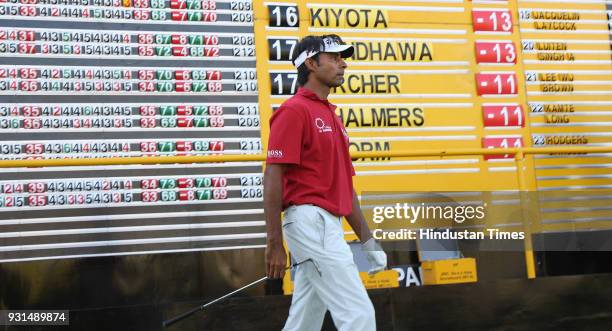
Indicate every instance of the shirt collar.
{"type": "Point", "coordinates": [313, 96]}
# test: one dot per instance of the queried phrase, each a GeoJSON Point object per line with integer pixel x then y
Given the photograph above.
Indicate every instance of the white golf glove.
{"type": "Point", "coordinates": [376, 256]}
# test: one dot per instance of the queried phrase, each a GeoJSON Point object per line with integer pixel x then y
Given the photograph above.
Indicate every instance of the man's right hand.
{"type": "Point", "coordinates": [276, 260]}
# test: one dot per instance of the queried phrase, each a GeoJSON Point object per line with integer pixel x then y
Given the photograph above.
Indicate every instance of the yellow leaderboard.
{"type": "Point", "coordinates": [457, 74]}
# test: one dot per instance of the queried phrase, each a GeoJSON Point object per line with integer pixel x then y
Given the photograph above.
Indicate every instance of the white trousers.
{"type": "Point", "coordinates": [330, 279]}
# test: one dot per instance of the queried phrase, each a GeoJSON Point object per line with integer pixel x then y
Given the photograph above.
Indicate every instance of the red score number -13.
{"type": "Point", "coordinates": [492, 20]}
{"type": "Point", "coordinates": [495, 52]}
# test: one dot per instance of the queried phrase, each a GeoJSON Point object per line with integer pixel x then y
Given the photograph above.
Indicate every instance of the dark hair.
{"type": "Point", "coordinates": [311, 44]}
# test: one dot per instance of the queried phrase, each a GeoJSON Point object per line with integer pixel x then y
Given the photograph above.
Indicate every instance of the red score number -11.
{"type": "Point", "coordinates": [503, 116]}
{"type": "Point", "coordinates": [501, 142]}
{"type": "Point", "coordinates": [496, 83]}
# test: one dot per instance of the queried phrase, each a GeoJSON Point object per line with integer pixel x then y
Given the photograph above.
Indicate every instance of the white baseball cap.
{"type": "Point", "coordinates": [331, 45]}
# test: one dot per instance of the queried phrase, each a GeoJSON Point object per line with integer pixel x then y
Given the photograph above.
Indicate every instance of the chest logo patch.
{"type": "Point", "coordinates": [320, 124]}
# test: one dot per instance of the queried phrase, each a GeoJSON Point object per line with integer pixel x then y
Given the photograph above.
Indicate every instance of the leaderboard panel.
{"type": "Point", "coordinates": [113, 80]}
{"type": "Point", "coordinates": [208, 12]}
{"type": "Point", "coordinates": [424, 75]}
{"type": "Point", "coordinates": [121, 44]}
{"type": "Point", "coordinates": [568, 71]}
{"type": "Point", "coordinates": [89, 79]}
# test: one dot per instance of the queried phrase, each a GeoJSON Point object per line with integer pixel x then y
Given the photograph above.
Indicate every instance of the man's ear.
{"type": "Point", "coordinates": [311, 64]}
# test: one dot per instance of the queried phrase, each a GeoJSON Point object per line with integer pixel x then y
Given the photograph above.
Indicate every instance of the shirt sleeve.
{"type": "Point", "coordinates": [286, 136]}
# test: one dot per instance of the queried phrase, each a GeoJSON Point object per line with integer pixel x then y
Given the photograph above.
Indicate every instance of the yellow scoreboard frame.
{"type": "Point", "coordinates": [458, 74]}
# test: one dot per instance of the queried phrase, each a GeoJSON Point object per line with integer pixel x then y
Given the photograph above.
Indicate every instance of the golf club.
{"type": "Point", "coordinates": [186, 314]}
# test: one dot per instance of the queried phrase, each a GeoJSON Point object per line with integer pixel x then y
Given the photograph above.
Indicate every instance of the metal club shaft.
{"type": "Point", "coordinates": [171, 321]}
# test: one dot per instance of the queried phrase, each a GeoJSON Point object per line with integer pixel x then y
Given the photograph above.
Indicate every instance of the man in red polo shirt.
{"type": "Point", "coordinates": [309, 177]}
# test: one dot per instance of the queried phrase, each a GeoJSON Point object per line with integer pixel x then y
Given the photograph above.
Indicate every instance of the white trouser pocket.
{"type": "Point", "coordinates": [304, 231]}
{"type": "Point", "coordinates": [312, 232]}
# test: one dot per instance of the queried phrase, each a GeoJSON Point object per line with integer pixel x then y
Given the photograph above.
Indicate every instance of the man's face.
{"type": "Point", "coordinates": [330, 69]}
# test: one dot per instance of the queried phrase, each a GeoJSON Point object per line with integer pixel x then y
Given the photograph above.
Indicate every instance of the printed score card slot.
{"type": "Point", "coordinates": [492, 21]}
{"type": "Point", "coordinates": [501, 142]}
{"type": "Point", "coordinates": [503, 116]}
{"type": "Point", "coordinates": [495, 52]}
{"type": "Point", "coordinates": [496, 83]}
{"type": "Point", "coordinates": [284, 16]}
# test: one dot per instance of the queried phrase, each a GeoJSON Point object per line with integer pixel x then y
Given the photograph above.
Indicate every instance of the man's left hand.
{"type": "Point", "coordinates": [376, 256]}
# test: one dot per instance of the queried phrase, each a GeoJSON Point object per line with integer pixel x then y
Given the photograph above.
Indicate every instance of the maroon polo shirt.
{"type": "Point", "coordinates": [306, 133]}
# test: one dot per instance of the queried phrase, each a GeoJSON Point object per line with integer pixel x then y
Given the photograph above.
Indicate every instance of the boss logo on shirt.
{"type": "Point", "coordinates": [322, 126]}
{"type": "Point", "coordinates": [275, 153]}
